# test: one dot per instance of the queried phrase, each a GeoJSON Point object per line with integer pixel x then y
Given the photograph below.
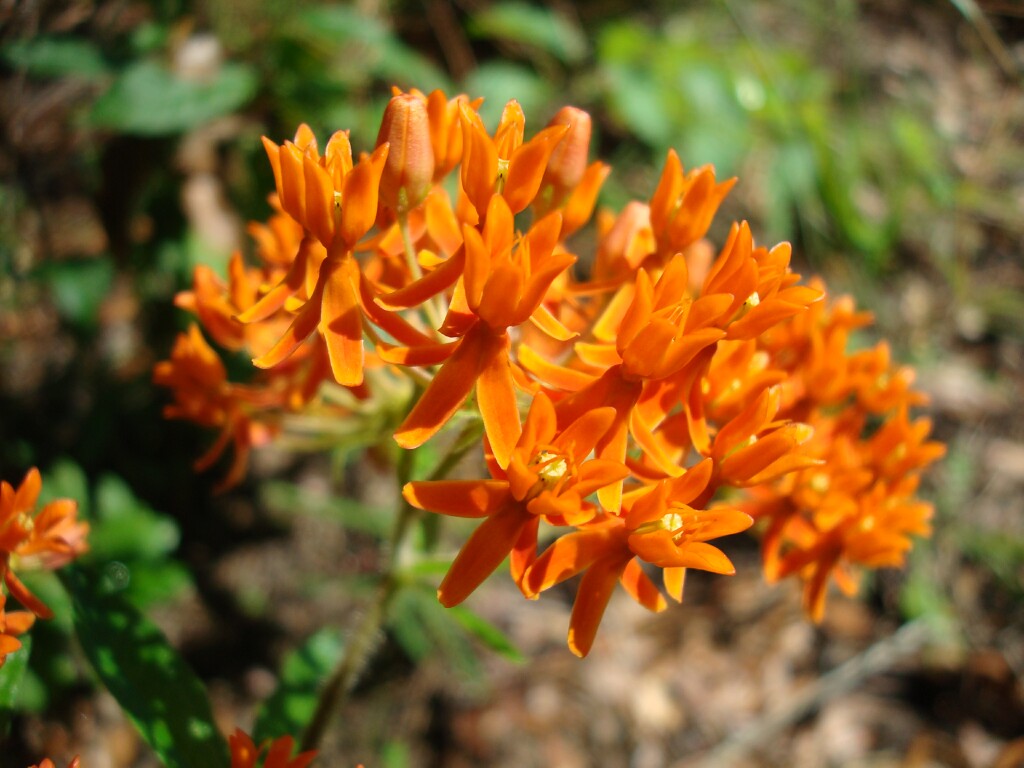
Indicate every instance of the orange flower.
{"type": "Point", "coordinates": [245, 754]}
{"type": "Point", "coordinates": [764, 291]}
{"type": "Point", "coordinates": [875, 534]}
{"type": "Point", "coordinates": [48, 763]}
{"type": "Point", "coordinates": [48, 539]}
{"type": "Point", "coordinates": [659, 527]}
{"type": "Point", "coordinates": [626, 242]}
{"type": "Point", "coordinates": [504, 165]}
{"type": "Point", "coordinates": [660, 333]}
{"type": "Point", "coordinates": [568, 182]}
{"type": "Point", "coordinates": [548, 477]}
{"type": "Point", "coordinates": [568, 162]}
{"type": "Point", "coordinates": [12, 625]}
{"type": "Point", "coordinates": [336, 202]}
{"type": "Point", "coordinates": [683, 206]}
{"type": "Point", "coordinates": [754, 448]}
{"type": "Point", "coordinates": [503, 285]}
{"type": "Point", "coordinates": [203, 394]}
{"type": "Point", "coordinates": [856, 508]}
{"type": "Point", "coordinates": [217, 305]}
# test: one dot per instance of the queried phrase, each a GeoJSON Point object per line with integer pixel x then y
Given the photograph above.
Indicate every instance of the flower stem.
{"type": "Point", "coordinates": [367, 637]}
{"type": "Point", "coordinates": [430, 307]}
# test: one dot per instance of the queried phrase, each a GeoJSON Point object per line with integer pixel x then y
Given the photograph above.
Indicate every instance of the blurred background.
{"type": "Point", "coordinates": [884, 138]}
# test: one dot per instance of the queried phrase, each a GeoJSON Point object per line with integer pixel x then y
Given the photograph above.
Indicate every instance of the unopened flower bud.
{"type": "Point", "coordinates": [409, 171]}
{"type": "Point", "coordinates": [569, 159]}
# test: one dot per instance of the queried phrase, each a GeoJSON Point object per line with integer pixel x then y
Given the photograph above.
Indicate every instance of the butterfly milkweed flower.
{"type": "Point", "coordinates": [548, 477]}
{"type": "Point", "coordinates": [658, 526]}
{"type": "Point", "coordinates": [29, 539]}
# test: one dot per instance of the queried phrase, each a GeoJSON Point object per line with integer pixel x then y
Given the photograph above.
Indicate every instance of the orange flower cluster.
{"type": "Point", "coordinates": [245, 415]}
{"type": "Point", "coordinates": [857, 506]}
{"type": "Point", "coordinates": [618, 407]}
{"type": "Point", "coordinates": [29, 540]}
{"type": "Point", "coordinates": [48, 763]}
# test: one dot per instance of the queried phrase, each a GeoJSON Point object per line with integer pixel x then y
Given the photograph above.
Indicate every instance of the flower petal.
{"type": "Point", "coordinates": [496, 398]}
{"type": "Point", "coordinates": [458, 498]}
{"type": "Point", "coordinates": [359, 200]}
{"type": "Point", "coordinates": [571, 553]}
{"type": "Point", "coordinates": [640, 587]}
{"type": "Point", "coordinates": [675, 580]}
{"type": "Point", "coordinates": [592, 598]}
{"type": "Point", "coordinates": [489, 544]}
{"type": "Point", "coordinates": [341, 324]}
{"type": "Point", "coordinates": [526, 167]}
{"type": "Point", "coordinates": [446, 392]}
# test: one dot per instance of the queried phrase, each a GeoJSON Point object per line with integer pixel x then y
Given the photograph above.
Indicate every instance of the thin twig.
{"type": "Point", "coordinates": [881, 656]}
{"type": "Point", "coordinates": [988, 35]}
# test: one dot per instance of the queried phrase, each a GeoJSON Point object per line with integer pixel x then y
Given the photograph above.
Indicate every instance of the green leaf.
{"type": "Point", "coordinates": [155, 581]}
{"type": "Point", "coordinates": [427, 567]}
{"type": "Point", "coordinates": [486, 633]}
{"type": "Point", "coordinates": [126, 529]}
{"type": "Point", "coordinates": [533, 26]}
{"type": "Point", "coordinates": [11, 675]}
{"type": "Point", "coordinates": [152, 683]}
{"type": "Point", "coordinates": [421, 625]}
{"type": "Point", "coordinates": [46, 586]}
{"type": "Point", "coordinates": [56, 57]}
{"type": "Point", "coordinates": [396, 754]}
{"type": "Point", "coordinates": [290, 708]}
{"type": "Point", "coordinates": [403, 66]}
{"type": "Point", "coordinates": [33, 694]}
{"type": "Point", "coordinates": [339, 24]}
{"type": "Point", "coordinates": [638, 101]}
{"type": "Point", "coordinates": [148, 99]}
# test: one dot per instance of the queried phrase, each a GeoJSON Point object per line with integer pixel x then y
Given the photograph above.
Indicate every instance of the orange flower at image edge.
{"type": "Point", "coordinates": [47, 539]}
{"type": "Point", "coordinates": [278, 753]}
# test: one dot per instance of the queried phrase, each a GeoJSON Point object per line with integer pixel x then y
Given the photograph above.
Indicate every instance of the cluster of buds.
{"type": "Point", "coordinates": [30, 540]}
{"type": "Point", "coordinates": [620, 401]}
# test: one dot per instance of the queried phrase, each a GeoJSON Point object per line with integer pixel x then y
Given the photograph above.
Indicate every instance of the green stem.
{"type": "Point", "coordinates": [358, 652]}
{"type": "Point", "coordinates": [430, 307]}
{"type": "Point", "coordinates": [367, 637]}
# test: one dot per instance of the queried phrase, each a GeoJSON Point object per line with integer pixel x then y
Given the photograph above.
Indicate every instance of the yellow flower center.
{"type": "Point", "coordinates": [670, 521]}
{"type": "Point", "coordinates": [551, 467]}
{"type": "Point", "coordinates": [499, 183]}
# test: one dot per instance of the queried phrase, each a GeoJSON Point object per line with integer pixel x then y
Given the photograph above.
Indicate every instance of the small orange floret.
{"type": "Point", "coordinates": [278, 753]}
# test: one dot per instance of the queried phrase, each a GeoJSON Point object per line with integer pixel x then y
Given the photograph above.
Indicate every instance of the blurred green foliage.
{"type": "Point", "coordinates": [147, 676]}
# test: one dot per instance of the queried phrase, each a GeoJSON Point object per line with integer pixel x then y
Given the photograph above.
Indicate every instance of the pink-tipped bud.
{"type": "Point", "coordinates": [569, 159]}
{"type": "Point", "coordinates": [409, 171]}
